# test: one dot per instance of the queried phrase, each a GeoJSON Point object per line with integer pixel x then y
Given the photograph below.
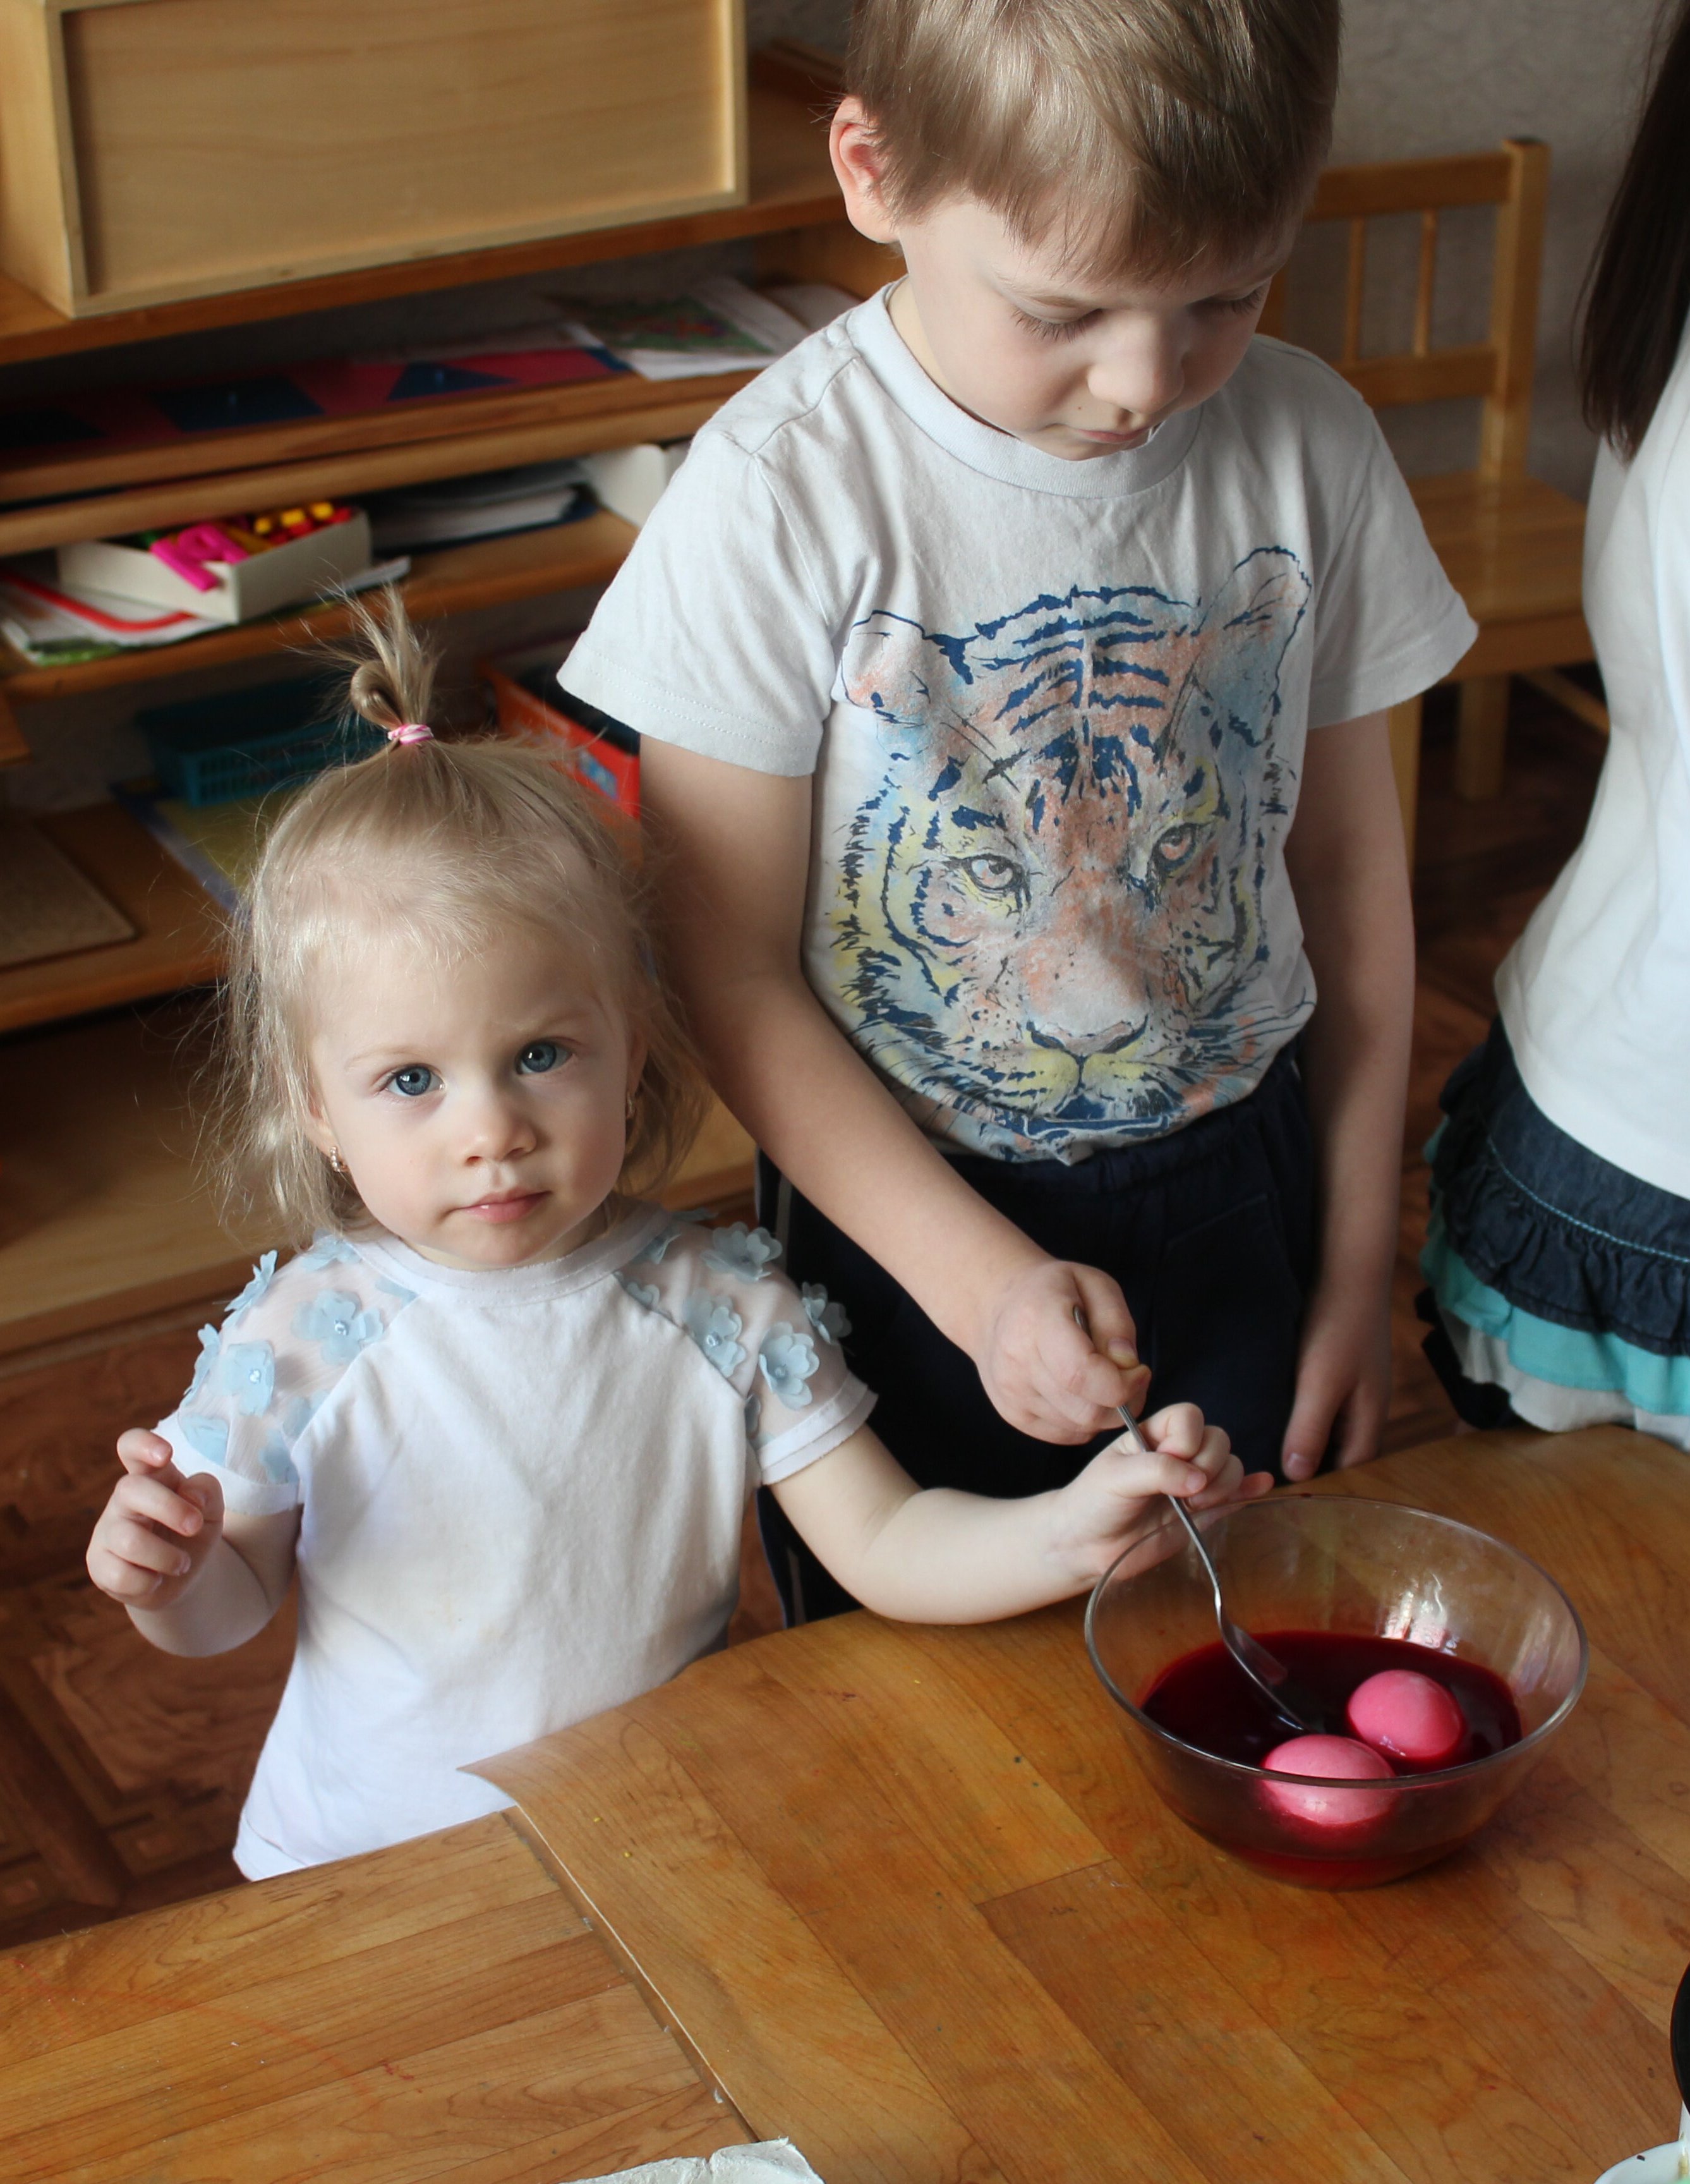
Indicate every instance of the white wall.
{"type": "Point", "coordinates": [1426, 76]}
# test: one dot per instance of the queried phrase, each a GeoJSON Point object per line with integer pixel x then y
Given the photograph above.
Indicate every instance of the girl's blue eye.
{"type": "Point", "coordinates": [413, 1081]}
{"type": "Point", "coordinates": [536, 1060]}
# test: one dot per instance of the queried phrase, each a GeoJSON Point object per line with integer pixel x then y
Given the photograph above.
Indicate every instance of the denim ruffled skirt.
{"type": "Point", "coordinates": [1559, 1283]}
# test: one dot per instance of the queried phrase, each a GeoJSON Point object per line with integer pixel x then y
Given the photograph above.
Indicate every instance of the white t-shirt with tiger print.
{"type": "Point", "coordinates": [1056, 713]}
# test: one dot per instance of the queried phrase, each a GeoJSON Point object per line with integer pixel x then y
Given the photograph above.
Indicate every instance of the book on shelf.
{"type": "Point", "coordinates": [112, 420]}
{"type": "Point", "coordinates": [219, 844]}
{"type": "Point", "coordinates": [718, 324]}
{"type": "Point", "coordinates": [487, 505]}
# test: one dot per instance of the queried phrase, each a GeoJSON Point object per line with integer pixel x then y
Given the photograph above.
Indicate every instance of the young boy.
{"type": "Point", "coordinates": [1014, 658]}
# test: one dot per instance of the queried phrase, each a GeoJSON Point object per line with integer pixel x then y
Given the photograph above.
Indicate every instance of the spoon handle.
{"type": "Point", "coordinates": [1265, 1670]}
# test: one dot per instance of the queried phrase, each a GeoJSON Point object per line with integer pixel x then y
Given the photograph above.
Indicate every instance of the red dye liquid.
{"type": "Point", "coordinates": [1205, 1700]}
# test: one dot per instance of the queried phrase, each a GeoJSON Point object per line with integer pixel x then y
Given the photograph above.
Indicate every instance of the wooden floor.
{"type": "Point", "coordinates": [122, 1771]}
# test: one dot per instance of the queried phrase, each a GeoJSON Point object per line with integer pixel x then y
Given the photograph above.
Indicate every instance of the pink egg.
{"type": "Point", "coordinates": [1408, 1717]}
{"type": "Point", "coordinates": [1347, 1765]}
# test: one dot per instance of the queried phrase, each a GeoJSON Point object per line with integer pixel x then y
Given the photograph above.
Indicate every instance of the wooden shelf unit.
{"type": "Point", "coordinates": [103, 1221]}
{"type": "Point", "coordinates": [455, 580]}
{"type": "Point", "coordinates": [792, 184]}
{"type": "Point", "coordinates": [135, 489]}
{"type": "Point", "coordinates": [178, 926]}
{"type": "Point", "coordinates": [177, 923]}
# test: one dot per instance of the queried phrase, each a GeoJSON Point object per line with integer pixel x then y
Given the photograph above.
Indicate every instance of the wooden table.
{"type": "Point", "coordinates": [437, 2011]}
{"type": "Point", "coordinates": [902, 1895]}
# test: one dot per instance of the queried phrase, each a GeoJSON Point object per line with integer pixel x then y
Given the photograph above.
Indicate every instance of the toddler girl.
{"type": "Point", "coordinates": [502, 1417]}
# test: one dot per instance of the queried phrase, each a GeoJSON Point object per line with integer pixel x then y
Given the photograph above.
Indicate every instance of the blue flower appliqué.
{"type": "Point", "coordinates": [827, 1318]}
{"type": "Point", "coordinates": [263, 1275]}
{"type": "Point", "coordinates": [658, 1245]}
{"type": "Point", "coordinates": [746, 1254]}
{"type": "Point", "coordinates": [643, 1293]}
{"type": "Point", "coordinates": [247, 1371]}
{"type": "Point", "coordinates": [336, 1320]}
{"type": "Point", "coordinates": [326, 1250]}
{"type": "Point", "coordinates": [299, 1414]}
{"type": "Point", "coordinates": [716, 1329]}
{"type": "Point", "coordinates": [277, 1463]}
{"type": "Point", "coordinates": [207, 1437]}
{"type": "Point", "coordinates": [789, 1363]}
{"type": "Point", "coordinates": [210, 1342]}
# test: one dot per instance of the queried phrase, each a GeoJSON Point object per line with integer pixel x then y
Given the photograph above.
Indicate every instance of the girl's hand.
{"type": "Point", "coordinates": [1044, 1371]}
{"type": "Point", "coordinates": [155, 1533]}
{"type": "Point", "coordinates": [1115, 1502]}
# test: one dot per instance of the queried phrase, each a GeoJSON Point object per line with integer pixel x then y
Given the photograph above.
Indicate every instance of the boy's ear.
{"type": "Point", "coordinates": [856, 155]}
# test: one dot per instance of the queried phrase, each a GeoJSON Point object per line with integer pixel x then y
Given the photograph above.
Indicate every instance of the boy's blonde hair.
{"type": "Point", "coordinates": [450, 845]}
{"type": "Point", "coordinates": [1142, 135]}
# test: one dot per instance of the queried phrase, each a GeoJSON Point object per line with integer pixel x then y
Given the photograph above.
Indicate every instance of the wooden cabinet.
{"type": "Point", "coordinates": [153, 150]}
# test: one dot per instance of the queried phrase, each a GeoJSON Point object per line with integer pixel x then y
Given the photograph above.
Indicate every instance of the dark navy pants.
{"type": "Point", "coordinates": [1211, 1234]}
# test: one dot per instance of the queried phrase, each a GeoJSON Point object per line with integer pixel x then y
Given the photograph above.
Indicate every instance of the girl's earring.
{"type": "Point", "coordinates": [628, 1113]}
{"type": "Point", "coordinates": [336, 1161]}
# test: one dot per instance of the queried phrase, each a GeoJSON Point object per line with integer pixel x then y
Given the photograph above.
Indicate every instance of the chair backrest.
{"type": "Point", "coordinates": [1515, 179]}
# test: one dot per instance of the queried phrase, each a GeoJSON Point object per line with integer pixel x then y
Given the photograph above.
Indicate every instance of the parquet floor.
{"type": "Point", "coordinates": [122, 1770]}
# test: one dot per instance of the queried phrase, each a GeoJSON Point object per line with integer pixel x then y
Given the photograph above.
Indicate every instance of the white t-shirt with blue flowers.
{"type": "Point", "coordinates": [522, 1495]}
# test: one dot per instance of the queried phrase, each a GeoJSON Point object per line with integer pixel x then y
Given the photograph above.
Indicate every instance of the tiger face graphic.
{"type": "Point", "coordinates": [1049, 918]}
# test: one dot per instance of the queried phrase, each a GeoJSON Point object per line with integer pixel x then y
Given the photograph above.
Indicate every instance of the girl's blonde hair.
{"type": "Point", "coordinates": [448, 845]}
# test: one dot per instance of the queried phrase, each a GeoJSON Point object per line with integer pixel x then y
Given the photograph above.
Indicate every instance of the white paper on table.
{"type": "Point", "coordinates": [773, 2161]}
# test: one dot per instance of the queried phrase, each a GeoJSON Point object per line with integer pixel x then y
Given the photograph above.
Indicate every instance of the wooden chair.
{"type": "Point", "coordinates": [1511, 545]}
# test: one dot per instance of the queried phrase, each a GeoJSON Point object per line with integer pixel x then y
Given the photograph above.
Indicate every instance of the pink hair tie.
{"type": "Point", "coordinates": [411, 732]}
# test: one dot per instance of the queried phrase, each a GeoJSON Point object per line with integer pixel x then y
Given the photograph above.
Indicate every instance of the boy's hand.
{"type": "Point", "coordinates": [1343, 1385]}
{"type": "Point", "coordinates": [1116, 1501]}
{"type": "Point", "coordinates": [154, 1535]}
{"type": "Point", "coordinates": [1058, 1355]}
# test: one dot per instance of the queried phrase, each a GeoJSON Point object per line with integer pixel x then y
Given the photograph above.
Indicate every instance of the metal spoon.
{"type": "Point", "coordinates": [1267, 1671]}
{"type": "Point", "coordinates": [1288, 1698]}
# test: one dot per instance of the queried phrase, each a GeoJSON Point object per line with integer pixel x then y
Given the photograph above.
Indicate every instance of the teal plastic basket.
{"type": "Point", "coordinates": [210, 750]}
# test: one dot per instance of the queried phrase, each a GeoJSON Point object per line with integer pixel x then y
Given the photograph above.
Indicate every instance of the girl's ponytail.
{"type": "Point", "coordinates": [392, 671]}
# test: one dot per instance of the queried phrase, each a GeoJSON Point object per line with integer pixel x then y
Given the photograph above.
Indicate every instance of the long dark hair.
{"type": "Point", "coordinates": [1639, 288]}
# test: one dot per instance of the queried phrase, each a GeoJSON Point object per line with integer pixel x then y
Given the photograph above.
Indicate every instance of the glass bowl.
{"type": "Point", "coordinates": [1341, 1563]}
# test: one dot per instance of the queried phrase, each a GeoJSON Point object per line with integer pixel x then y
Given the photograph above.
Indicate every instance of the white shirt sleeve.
{"type": "Point", "coordinates": [1388, 623]}
{"type": "Point", "coordinates": [778, 1347]}
{"type": "Point", "coordinates": [285, 1344]}
{"type": "Point", "coordinates": [712, 635]}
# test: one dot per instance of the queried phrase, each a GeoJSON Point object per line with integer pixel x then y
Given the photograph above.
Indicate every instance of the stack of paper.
{"type": "Point", "coordinates": [450, 511]}
{"type": "Point", "coordinates": [718, 325]}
